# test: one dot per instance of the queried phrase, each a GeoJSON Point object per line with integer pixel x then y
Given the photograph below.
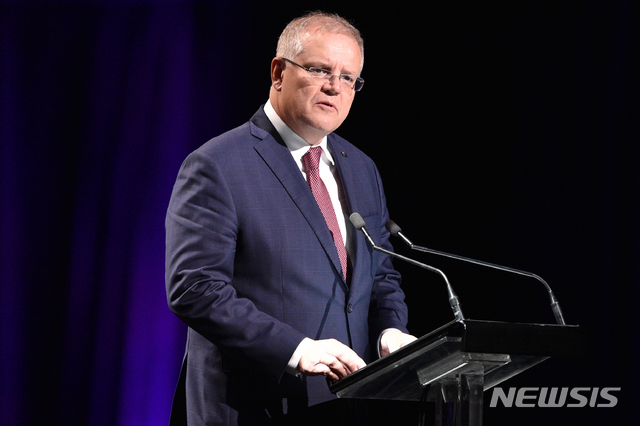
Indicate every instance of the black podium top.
{"type": "Point", "coordinates": [501, 350]}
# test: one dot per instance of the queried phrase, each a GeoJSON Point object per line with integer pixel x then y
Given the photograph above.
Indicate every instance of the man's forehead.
{"type": "Point", "coordinates": [321, 32]}
{"type": "Point", "coordinates": [322, 42]}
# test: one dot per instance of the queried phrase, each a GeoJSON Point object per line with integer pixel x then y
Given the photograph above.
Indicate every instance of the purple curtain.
{"type": "Point", "coordinates": [527, 116]}
{"type": "Point", "coordinates": [97, 105]}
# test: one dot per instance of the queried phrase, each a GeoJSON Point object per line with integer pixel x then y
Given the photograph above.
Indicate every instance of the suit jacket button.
{"type": "Point", "coordinates": [350, 308]}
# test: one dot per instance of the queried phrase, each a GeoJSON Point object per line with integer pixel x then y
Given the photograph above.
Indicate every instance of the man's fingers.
{"type": "Point", "coordinates": [347, 358]}
{"type": "Point", "coordinates": [327, 366]}
{"type": "Point", "coordinates": [323, 369]}
{"type": "Point", "coordinates": [330, 358]}
{"type": "Point", "coordinates": [336, 366]}
{"type": "Point", "coordinates": [394, 339]}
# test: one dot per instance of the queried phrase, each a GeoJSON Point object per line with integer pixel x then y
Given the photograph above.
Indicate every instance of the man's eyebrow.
{"type": "Point", "coordinates": [318, 64]}
{"type": "Point", "coordinates": [326, 66]}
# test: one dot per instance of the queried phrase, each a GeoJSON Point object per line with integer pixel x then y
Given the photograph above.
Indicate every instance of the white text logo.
{"type": "Point", "coordinates": [555, 397]}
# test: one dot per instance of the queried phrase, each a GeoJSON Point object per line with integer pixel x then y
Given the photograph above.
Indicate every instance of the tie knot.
{"type": "Point", "coordinates": [311, 159]}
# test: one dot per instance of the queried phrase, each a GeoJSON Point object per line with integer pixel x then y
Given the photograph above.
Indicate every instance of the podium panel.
{"type": "Point", "coordinates": [500, 350]}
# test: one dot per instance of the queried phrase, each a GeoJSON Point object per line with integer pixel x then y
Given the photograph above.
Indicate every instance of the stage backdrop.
{"type": "Point", "coordinates": [506, 131]}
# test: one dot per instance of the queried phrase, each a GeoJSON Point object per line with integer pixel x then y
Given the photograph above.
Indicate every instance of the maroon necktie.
{"type": "Point", "coordinates": [311, 162]}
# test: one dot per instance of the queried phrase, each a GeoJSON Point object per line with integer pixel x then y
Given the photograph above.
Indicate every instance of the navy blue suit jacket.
{"type": "Point", "coordinates": [252, 269]}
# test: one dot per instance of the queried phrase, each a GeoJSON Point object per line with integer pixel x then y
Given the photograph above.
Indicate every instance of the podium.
{"type": "Point", "coordinates": [454, 364]}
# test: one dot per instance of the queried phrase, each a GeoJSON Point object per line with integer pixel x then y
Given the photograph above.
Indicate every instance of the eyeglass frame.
{"type": "Point", "coordinates": [358, 82]}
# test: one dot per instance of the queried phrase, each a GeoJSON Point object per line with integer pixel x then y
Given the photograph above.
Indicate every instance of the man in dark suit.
{"type": "Point", "coordinates": [279, 293]}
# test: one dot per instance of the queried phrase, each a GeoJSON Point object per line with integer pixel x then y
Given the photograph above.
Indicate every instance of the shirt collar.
{"type": "Point", "coordinates": [296, 144]}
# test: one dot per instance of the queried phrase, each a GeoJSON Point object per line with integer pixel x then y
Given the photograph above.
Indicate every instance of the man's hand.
{"type": "Point", "coordinates": [329, 358]}
{"type": "Point", "coordinates": [394, 339]}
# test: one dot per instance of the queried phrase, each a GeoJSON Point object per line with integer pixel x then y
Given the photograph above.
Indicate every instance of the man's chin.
{"type": "Point", "coordinates": [318, 130]}
{"type": "Point", "coordinates": [327, 126]}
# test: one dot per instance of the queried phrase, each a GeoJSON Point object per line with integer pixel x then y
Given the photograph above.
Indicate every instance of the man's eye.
{"type": "Point", "coordinates": [348, 78]}
{"type": "Point", "coordinates": [319, 72]}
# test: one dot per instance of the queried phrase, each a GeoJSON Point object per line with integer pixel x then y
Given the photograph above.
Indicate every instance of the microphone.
{"type": "Point", "coordinates": [359, 223]}
{"type": "Point", "coordinates": [395, 230]}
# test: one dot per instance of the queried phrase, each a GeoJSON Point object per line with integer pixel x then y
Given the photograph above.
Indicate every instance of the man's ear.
{"type": "Point", "coordinates": [277, 69]}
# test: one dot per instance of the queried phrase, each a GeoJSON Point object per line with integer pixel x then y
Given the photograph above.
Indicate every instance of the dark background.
{"type": "Point", "coordinates": [505, 131]}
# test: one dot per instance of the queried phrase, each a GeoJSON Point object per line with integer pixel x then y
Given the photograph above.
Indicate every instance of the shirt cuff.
{"type": "Point", "coordinates": [380, 339]}
{"type": "Point", "coordinates": [292, 365]}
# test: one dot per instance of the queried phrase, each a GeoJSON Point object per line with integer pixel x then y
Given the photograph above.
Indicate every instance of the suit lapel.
{"type": "Point", "coordinates": [276, 155]}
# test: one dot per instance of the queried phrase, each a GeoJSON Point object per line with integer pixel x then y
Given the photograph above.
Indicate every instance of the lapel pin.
{"type": "Point", "coordinates": [344, 154]}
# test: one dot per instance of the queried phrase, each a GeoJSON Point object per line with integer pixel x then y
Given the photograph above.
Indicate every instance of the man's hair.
{"type": "Point", "coordinates": [290, 41]}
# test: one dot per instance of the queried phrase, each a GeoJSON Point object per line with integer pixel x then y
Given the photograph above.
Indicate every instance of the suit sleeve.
{"type": "Point", "coordinates": [387, 308]}
{"type": "Point", "coordinates": [201, 234]}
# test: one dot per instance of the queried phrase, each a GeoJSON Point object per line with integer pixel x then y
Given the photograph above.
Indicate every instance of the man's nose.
{"type": "Point", "coordinates": [334, 84]}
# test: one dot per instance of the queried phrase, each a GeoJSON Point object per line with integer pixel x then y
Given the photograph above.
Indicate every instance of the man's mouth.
{"type": "Point", "coordinates": [327, 105]}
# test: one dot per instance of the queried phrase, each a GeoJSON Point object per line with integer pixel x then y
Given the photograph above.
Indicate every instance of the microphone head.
{"type": "Point", "coordinates": [393, 228]}
{"type": "Point", "coordinates": [357, 221]}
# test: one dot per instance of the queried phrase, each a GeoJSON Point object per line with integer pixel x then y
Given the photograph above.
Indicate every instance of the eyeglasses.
{"type": "Point", "coordinates": [347, 80]}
